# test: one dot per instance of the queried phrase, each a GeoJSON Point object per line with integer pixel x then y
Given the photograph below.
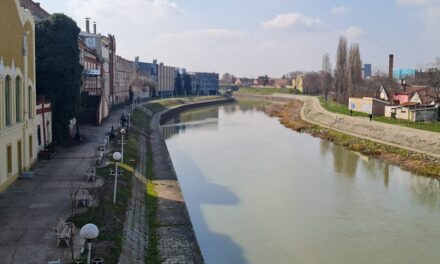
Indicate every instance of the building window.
{"type": "Point", "coordinates": [18, 100]}
{"type": "Point", "coordinates": [39, 135]}
{"type": "Point", "coordinates": [31, 149]}
{"type": "Point", "coordinates": [9, 157]}
{"type": "Point", "coordinates": [30, 100]}
{"type": "Point", "coordinates": [8, 101]}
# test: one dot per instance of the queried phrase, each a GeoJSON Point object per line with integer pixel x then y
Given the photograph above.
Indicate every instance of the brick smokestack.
{"type": "Point", "coordinates": [94, 27]}
{"type": "Point", "coordinates": [87, 24]}
{"type": "Point", "coordinates": [391, 67]}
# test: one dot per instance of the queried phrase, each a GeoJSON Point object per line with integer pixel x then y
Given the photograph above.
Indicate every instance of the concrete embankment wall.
{"type": "Point", "coordinates": [174, 111]}
{"type": "Point", "coordinates": [411, 139]}
{"type": "Point", "coordinates": [177, 239]}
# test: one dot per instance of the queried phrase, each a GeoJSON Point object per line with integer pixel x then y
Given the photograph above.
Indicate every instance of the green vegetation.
{"type": "Point", "coordinates": [265, 91]}
{"type": "Point", "coordinates": [334, 107]}
{"type": "Point", "coordinates": [141, 121]}
{"type": "Point", "coordinates": [152, 198]}
{"type": "Point", "coordinates": [58, 70]}
{"type": "Point", "coordinates": [159, 105]}
{"type": "Point", "coordinates": [107, 216]}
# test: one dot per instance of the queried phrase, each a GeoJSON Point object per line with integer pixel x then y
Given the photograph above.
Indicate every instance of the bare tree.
{"type": "Point", "coordinates": [72, 190]}
{"type": "Point", "coordinates": [354, 69]}
{"type": "Point", "coordinates": [228, 78]}
{"type": "Point", "coordinates": [431, 77]}
{"type": "Point", "coordinates": [341, 71]}
{"type": "Point", "coordinates": [143, 84]}
{"type": "Point", "coordinates": [312, 83]}
{"type": "Point", "coordinates": [326, 75]}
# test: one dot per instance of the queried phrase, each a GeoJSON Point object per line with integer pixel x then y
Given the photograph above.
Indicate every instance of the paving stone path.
{"type": "Point", "coordinates": [29, 209]}
{"type": "Point", "coordinates": [135, 228]}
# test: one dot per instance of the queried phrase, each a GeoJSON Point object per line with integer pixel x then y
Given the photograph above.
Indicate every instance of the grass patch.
{"type": "Point", "coordinates": [142, 122]}
{"type": "Point", "coordinates": [265, 91]}
{"type": "Point", "coordinates": [107, 216]}
{"type": "Point", "coordinates": [159, 105]}
{"type": "Point", "coordinates": [151, 198]}
{"type": "Point", "coordinates": [334, 107]}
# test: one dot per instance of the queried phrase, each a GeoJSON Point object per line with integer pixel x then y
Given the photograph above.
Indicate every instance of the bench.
{"type": "Point", "coordinates": [83, 197]}
{"type": "Point", "coordinates": [64, 231]}
{"type": "Point", "coordinates": [91, 175]}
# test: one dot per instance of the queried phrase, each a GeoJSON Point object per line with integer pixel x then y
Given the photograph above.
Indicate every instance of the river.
{"type": "Point", "coordinates": [258, 192]}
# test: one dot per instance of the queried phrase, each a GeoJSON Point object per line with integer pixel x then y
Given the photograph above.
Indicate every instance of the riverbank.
{"type": "Point", "coordinates": [383, 141]}
{"type": "Point", "coordinates": [170, 231]}
{"type": "Point", "coordinates": [290, 116]}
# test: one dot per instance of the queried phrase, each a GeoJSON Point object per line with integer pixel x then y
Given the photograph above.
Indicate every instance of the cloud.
{"type": "Point", "coordinates": [292, 20]}
{"type": "Point", "coordinates": [354, 32]}
{"type": "Point", "coordinates": [143, 12]}
{"type": "Point", "coordinates": [413, 2]}
{"type": "Point", "coordinates": [339, 10]}
{"type": "Point", "coordinates": [221, 35]}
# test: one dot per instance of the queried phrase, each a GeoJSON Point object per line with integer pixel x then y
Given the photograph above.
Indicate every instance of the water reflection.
{"type": "Point", "coordinates": [425, 190]}
{"type": "Point", "coordinates": [246, 106]}
{"type": "Point", "coordinates": [206, 118]}
{"type": "Point", "coordinates": [345, 162]}
{"type": "Point", "coordinates": [260, 193]}
{"type": "Point", "coordinates": [218, 196]}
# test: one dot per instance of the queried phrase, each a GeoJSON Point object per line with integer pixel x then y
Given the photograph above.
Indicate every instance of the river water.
{"type": "Point", "coordinates": [260, 193]}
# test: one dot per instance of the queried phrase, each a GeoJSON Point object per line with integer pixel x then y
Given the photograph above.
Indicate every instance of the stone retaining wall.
{"type": "Point", "coordinates": [177, 240]}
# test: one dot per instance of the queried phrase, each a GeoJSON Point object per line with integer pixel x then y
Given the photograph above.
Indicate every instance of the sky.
{"type": "Point", "coordinates": [249, 38]}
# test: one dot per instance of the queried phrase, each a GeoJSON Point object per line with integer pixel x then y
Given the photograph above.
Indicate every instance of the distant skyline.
{"type": "Point", "coordinates": [256, 37]}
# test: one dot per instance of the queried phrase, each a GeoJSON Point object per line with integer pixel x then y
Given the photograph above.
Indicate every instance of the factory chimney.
{"type": "Point", "coordinates": [391, 67]}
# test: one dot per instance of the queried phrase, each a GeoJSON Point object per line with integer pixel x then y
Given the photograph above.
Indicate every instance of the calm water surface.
{"type": "Point", "coordinates": [260, 193]}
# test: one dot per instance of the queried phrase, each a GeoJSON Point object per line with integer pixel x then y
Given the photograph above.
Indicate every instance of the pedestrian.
{"type": "Point", "coordinates": [371, 117]}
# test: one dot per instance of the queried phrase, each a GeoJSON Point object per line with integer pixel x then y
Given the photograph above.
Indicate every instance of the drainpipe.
{"type": "Point", "coordinates": [43, 112]}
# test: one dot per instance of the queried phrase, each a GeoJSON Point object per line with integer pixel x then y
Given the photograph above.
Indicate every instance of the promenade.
{"type": "Point", "coordinates": [29, 209]}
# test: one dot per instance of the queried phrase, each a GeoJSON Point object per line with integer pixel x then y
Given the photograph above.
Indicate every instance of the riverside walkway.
{"type": "Point", "coordinates": [411, 139]}
{"type": "Point", "coordinates": [29, 209]}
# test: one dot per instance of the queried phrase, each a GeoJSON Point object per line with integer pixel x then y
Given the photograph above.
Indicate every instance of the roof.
{"type": "Point", "coordinates": [282, 82]}
{"type": "Point", "coordinates": [411, 89]}
{"type": "Point", "coordinates": [409, 104]}
{"type": "Point", "coordinates": [427, 99]}
{"type": "Point", "coordinates": [37, 11]}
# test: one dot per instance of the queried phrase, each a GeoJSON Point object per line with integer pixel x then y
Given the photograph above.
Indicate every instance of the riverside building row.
{"type": "Point", "coordinates": [18, 149]}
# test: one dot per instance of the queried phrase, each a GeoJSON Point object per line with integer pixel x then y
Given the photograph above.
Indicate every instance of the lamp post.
{"type": "Point", "coordinates": [123, 132]}
{"type": "Point", "coordinates": [89, 232]}
{"type": "Point", "coordinates": [403, 82]}
{"type": "Point", "coordinates": [116, 156]}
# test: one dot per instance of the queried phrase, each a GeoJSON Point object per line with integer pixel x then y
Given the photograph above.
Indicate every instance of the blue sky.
{"type": "Point", "coordinates": [255, 37]}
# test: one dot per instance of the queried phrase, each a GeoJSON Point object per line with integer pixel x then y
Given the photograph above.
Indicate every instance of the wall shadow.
{"type": "Point", "coordinates": [199, 191]}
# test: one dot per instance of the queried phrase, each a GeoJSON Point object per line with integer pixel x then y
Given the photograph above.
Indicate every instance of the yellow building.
{"type": "Point", "coordinates": [17, 91]}
{"type": "Point", "coordinates": [298, 83]}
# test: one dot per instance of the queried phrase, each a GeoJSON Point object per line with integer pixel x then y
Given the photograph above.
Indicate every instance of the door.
{"type": "Point", "coordinates": [19, 158]}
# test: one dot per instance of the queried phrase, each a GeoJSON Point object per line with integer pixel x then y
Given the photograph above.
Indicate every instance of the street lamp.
{"type": "Point", "coordinates": [89, 232]}
{"type": "Point", "coordinates": [403, 82]}
{"type": "Point", "coordinates": [116, 156]}
{"type": "Point", "coordinates": [123, 132]}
